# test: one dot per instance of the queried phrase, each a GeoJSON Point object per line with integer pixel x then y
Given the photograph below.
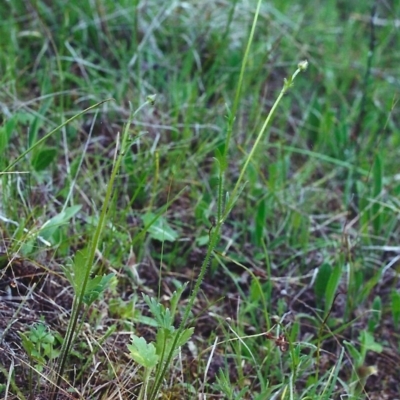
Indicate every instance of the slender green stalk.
{"type": "Point", "coordinates": [288, 83]}
{"type": "Point", "coordinates": [78, 299]}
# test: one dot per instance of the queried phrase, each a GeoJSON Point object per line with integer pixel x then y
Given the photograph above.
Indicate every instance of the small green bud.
{"type": "Point", "coordinates": [302, 65]}
{"type": "Point", "coordinates": [365, 372]}
{"type": "Point", "coordinates": [152, 99]}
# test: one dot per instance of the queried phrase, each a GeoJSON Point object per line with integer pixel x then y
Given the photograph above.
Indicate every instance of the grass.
{"type": "Point", "coordinates": [200, 243]}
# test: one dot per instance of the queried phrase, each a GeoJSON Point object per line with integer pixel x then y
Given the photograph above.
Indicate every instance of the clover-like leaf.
{"type": "Point", "coordinates": [161, 314]}
{"type": "Point", "coordinates": [95, 287]}
{"type": "Point", "coordinates": [142, 352]}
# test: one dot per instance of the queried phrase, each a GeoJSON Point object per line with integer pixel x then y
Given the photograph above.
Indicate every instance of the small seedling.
{"type": "Point", "coordinates": [154, 355]}
{"type": "Point", "coordinates": [39, 345]}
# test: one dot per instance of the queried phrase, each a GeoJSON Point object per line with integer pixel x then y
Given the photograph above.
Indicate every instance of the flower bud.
{"type": "Point", "coordinates": [302, 65]}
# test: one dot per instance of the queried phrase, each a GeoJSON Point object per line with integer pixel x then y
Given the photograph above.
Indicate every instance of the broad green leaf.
{"type": "Point", "coordinates": [142, 352]}
{"type": "Point", "coordinates": [43, 158]}
{"type": "Point", "coordinates": [260, 218]}
{"type": "Point", "coordinates": [185, 336]}
{"type": "Point", "coordinates": [368, 343]}
{"type": "Point", "coordinates": [158, 228]}
{"type": "Point", "coordinates": [143, 319]}
{"type": "Point", "coordinates": [256, 291]}
{"type": "Point", "coordinates": [322, 279]}
{"type": "Point", "coordinates": [49, 228]}
{"type": "Point", "coordinates": [37, 121]}
{"type": "Point", "coordinates": [332, 286]}
{"type": "Point", "coordinates": [79, 269]}
{"type": "Point", "coordinates": [202, 240]}
{"type": "Point", "coordinates": [6, 132]}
